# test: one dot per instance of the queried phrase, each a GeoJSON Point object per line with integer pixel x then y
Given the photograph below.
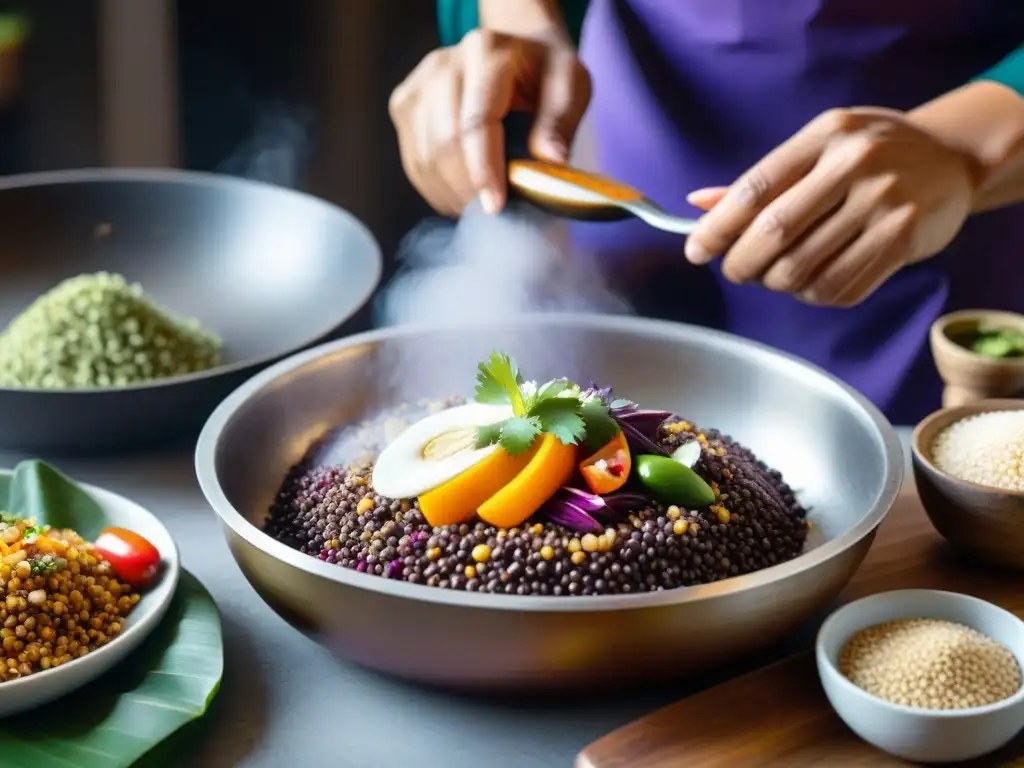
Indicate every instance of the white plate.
{"type": "Point", "coordinates": [921, 735]}
{"type": "Point", "coordinates": [43, 687]}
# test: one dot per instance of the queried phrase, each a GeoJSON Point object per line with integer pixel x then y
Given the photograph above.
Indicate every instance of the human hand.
{"type": "Point", "coordinates": [833, 212]}
{"type": "Point", "coordinates": [448, 113]}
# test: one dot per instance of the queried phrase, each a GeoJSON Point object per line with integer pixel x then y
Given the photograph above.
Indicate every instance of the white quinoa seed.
{"type": "Point", "coordinates": [931, 664]}
{"type": "Point", "coordinates": [987, 449]}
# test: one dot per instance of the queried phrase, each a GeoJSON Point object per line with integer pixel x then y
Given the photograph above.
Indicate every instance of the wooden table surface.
{"type": "Point", "coordinates": [778, 716]}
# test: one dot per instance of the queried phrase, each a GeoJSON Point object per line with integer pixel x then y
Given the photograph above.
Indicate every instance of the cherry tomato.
{"type": "Point", "coordinates": [608, 469]}
{"type": "Point", "coordinates": [134, 559]}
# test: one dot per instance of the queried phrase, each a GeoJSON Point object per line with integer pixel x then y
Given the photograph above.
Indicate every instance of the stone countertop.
{"type": "Point", "coordinates": [286, 701]}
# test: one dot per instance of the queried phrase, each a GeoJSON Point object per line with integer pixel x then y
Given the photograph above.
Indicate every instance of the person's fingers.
{"type": "Point", "coordinates": [795, 269]}
{"type": "Point", "coordinates": [562, 100]}
{"type": "Point", "coordinates": [411, 166]}
{"type": "Point", "coordinates": [411, 147]}
{"type": "Point", "coordinates": [868, 262]}
{"type": "Point", "coordinates": [410, 115]}
{"type": "Point", "coordinates": [774, 174]}
{"type": "Point", "coordinates": [456, 177]}
{"type": "Point", "coordinates": [706, 198]}
{"type": "Point", "coordinates": [791, 216]}
{"type": "Point", "coordinates": [445, 146]}
{"type": "Point", "coordinates": [488, 91]}
{"type": "Point", "coordinates": [425, 155]}
{"type": "Point", "coordinates": [719, 228]}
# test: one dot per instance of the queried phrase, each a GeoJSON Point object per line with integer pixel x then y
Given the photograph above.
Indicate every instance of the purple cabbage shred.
{"type": "Point", "coordinates": [587, 512]}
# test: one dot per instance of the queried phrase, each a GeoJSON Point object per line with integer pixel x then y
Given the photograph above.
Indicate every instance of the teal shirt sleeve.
{"type": "Point", "coordinates": [1009, 71]}
{"type": "Point", "coordinates": [457, 17]}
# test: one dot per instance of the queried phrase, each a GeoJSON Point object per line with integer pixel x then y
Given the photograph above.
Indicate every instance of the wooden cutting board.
{"type": "Point", "coordinates": [778, 716]}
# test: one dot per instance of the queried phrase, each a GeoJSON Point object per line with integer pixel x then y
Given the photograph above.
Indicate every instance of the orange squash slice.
{"type": "Point", "coordinates": [456, 500]}
{"type": "Point", "coordinates": [550, 467]}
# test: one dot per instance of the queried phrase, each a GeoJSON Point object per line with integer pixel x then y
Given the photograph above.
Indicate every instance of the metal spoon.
{"type": "Point", "coordinates": [577, 194]}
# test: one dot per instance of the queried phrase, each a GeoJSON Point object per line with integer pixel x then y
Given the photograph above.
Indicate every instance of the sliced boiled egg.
{"type": "Point", "coordinates": [434, 450]}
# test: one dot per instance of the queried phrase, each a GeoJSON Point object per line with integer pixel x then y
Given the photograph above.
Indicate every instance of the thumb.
{"type": "Point", "coordinates": [562, 100]}
{"type": "Point", "coordinates": [706, 198]}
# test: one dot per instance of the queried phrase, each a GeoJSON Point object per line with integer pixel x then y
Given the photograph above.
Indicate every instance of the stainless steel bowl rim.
{"type": "Point", "coordinates": [166, 175]}
{"type": "Point", "coordinates": [207, 446]}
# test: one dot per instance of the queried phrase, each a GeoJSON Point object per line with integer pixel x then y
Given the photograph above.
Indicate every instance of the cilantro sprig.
{"type": "Point", "coordinates": [558, 407]}
{"type": "Point", "coordinates": [498, 382]}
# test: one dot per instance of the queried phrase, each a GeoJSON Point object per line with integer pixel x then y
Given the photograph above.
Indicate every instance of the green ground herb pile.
{"type": "Point", "coordinates": [100, 331]}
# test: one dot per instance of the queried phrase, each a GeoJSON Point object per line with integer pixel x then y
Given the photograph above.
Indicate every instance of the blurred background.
{"type": "Point", "coordinates": [289, 92]}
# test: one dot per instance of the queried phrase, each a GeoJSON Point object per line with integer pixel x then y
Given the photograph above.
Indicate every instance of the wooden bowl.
{"type": "Point", "coordinates": [986, 523]}
{"type": "Point", "coordinates": [968, 376]}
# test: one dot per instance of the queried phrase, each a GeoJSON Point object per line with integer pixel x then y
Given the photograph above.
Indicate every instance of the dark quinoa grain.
{"type": "Point", "coordinates": [332, 512]}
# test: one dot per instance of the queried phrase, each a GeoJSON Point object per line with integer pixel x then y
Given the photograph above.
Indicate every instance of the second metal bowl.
{"type": "Point", "coordinates": [834, 448]}
{"type": "Point", "coordinates": [269, 270]}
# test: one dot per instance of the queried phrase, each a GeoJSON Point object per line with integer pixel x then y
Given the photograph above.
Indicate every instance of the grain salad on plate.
{"type": "Point", "coordinates": [540, 489]}
{"type": "Point", "coordinates": [61, 596]}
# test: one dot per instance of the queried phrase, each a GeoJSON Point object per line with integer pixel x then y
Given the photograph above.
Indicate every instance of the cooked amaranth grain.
{"type": "Point", "coordinates": [987, 449]}
{"type": "Point", "coordinates": [930, 663]}
{"type": "Point", "coordinates": [334, 513]}
{"type": "Point", "coordinates": [100, 331]}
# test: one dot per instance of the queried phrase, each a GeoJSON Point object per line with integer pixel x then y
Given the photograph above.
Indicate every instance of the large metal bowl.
{"type": "Point", "coordinates": [271, 271]}
{"type": "Point", "coordinates": [835, 449]}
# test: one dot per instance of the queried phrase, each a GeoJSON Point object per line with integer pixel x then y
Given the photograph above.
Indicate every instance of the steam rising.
{"type": "Point", "coordinates": [487, 268]}
{"type": "Point", "coordinates": [480, 270]}
{"type": "Point", "coordinates": [278, 149]}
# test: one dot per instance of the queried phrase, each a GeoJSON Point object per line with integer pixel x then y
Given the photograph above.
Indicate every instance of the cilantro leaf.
{"type": "Point", "coordinates": [600, 425]}
{"type": "Point", "coordinates": [488, 434]}
{"type": "Point", "coordinates": [498, 381]}
{"type": "Point", "coordinates": [518, 434]}
{"type": "Point", "coordinates": [561, 417]}
{"type": "Point", "coordinates": [553, 388]}
{"type": "Point", "coordinates": [490, 392]}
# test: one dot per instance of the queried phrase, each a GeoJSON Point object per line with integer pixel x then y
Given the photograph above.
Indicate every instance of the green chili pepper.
{"type": "Point", "coordinates": [673, 483]}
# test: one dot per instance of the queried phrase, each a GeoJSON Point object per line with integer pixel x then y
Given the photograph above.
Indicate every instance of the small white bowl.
{"type": "Point", "coordinates": [46, 686]}
{"type": "Point", "coordinates": [921, 735]}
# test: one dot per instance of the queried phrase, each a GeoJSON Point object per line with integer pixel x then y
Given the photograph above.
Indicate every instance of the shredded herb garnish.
{"type": "Point", "coordinates": [47, 565]}
{"type": "Point", "coordinates": [559, 408]}
{"type": "Point", "coordinates": [992, 342]}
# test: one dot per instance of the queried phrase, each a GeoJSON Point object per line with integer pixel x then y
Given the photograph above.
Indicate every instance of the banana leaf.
{"type": "Point", "coordinates": [167, 683]}
{"type": "Point", "coordinates": [37, 490]}
{"type": "Point", "coordinates": [116, 720]}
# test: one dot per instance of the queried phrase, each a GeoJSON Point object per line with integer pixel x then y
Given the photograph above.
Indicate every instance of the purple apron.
{"type": "Point", "coordinates": [690, 93]}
